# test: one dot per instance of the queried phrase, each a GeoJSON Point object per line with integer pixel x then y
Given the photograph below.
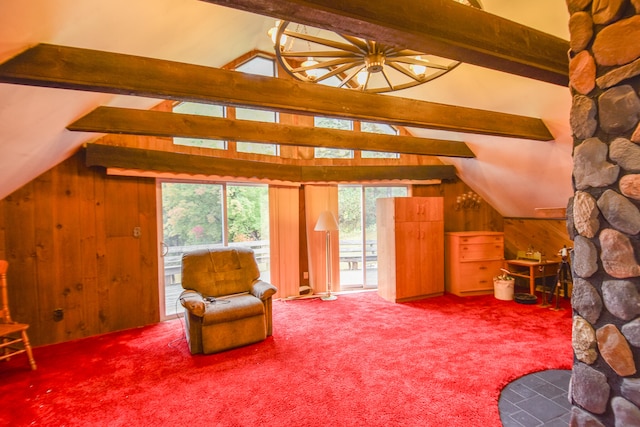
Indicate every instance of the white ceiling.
{"type": "Point", "coordinates": [515, 176]}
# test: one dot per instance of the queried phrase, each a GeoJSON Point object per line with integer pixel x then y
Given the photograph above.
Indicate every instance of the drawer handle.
{"type": "Point", "coordinates": [482, 281]}
{"type": "Point", "coordinates": [483, 268]}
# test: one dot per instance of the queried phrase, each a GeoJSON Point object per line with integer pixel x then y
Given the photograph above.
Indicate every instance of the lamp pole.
{"type": "Point", "coordinates": [328, 297]}
{"type": "Point", "coordinates": [327, 223]}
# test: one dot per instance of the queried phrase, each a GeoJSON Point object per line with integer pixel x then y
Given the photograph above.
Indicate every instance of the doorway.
{"type": "Point", "coordinates": [358, 233]}
{"type": "Point", "coordinates": [203, 215]}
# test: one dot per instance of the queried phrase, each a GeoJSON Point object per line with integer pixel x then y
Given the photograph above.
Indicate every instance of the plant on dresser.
{"type": "Point", "coordinates": [472, 260]}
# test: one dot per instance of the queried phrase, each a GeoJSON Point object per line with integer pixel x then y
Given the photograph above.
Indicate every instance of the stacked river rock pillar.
{"type": "Point", "coordinates": [603, 215]}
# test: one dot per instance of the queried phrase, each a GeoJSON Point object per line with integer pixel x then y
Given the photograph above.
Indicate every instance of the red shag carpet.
{"type": "Point", "coordinates": [356, 361]}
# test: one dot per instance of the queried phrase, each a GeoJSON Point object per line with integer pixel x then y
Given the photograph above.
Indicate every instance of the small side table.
{"type": "Point", "coordinates": [530, 269]}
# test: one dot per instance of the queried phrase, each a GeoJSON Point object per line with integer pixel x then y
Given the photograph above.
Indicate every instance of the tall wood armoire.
{"type": "Point", "coordinates": [410, 247]}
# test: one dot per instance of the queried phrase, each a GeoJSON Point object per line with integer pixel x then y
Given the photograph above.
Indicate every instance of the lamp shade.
{"type": "Point", "coordinates": [326, 222]}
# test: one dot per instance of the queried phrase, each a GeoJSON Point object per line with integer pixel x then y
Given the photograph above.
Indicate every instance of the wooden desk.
{"type": "Point", "coordinates": [530, 269]}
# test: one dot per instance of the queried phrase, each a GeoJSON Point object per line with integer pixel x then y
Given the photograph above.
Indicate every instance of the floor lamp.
{"type": "Point", "coordinates": [327, 223]}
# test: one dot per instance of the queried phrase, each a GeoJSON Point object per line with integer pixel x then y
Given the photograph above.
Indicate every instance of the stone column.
{"type": "Point", "coordinates": [603, 215]}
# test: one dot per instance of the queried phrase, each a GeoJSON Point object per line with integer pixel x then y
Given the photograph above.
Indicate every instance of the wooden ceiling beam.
{"type": "Point", "coordinates": [90, 70]}
{"type": "Point", "coordinates": [440, 27]}
{"type": "Point", "coordinates": [110, 156]}
{"type": "Point", "coordinates": [165, 124]}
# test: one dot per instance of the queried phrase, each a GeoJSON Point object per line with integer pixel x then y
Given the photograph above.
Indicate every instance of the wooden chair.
{"type": "Point", "coordinates": [13, 336]}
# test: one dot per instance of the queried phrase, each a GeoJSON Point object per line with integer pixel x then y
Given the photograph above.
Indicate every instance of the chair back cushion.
{"type": "Point", "coordinates": [220, 271]}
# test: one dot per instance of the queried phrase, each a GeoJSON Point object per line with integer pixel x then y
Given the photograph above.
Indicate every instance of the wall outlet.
{"type": "Point", "coordinates": [305, 275]}
{"type": "Point", "coordinates": [137, 232]}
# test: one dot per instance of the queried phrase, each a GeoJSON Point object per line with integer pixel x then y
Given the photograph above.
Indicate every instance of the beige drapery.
{"type": "Point", "coordinates": [284, 239]}
{"type": "Point", "coordinates": [319, 198]}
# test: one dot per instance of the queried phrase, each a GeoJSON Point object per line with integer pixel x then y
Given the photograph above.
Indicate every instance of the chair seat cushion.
{"type": "Point", "coordinates": [232, 308]}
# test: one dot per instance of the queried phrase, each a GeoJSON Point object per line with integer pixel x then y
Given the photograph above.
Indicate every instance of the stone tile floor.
{"type": "Point", "coordinates": [538, 399]}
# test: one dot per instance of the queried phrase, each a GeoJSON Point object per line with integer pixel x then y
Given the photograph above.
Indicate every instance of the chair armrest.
{"type": "Point", "coordinates": [263, 290]}
{"type": "Point", "coordinates": [193, 302]}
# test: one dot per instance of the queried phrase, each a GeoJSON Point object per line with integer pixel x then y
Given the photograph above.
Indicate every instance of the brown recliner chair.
{"type": "Point", "coordinates": [226, 304]}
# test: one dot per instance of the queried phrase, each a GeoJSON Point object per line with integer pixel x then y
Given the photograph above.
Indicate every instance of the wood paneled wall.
{"type": "Point", "coordinates": [547, 236]}
{"type": "Point", "coordinates": [484, 218]}
{"type": "Point", "coordinates": [68, 237]}
{"type": "Point", "coordinates": [3, 254]}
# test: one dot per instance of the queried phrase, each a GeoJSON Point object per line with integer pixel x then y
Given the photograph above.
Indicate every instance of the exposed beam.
{"type": "Point", "coordinates": [373, 173]}
{"type": "Point", "coordinates": [440, 27]}
{"type": "Point", "coordinates": [90, 70]}
{"type": "Point", "coordinates": [109, 156]}
{"type": "Point", "coordinates": [165, 124]}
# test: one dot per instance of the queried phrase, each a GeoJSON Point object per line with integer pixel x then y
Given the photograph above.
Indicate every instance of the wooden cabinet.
{"type": "Point", "coordinates": [473, 259]}
{"type": "Point", "coordinates": [410, 247]}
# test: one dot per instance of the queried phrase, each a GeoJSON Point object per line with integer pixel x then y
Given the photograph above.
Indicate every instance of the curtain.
{"type": "Point", "coordinates": [319, 198]}
{"type": "Point", "coordinates": [284, 240]}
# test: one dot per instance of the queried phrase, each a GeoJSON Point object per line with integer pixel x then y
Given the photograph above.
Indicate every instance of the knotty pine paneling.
{"type": "Point", "coordinates": [544, 235]}
{"type": "Point", "coordinates": [3, 254]}
{"type": "Point", "coordinates": [485, 218]}
{"type": "Point", "coordinates": [68, 237]}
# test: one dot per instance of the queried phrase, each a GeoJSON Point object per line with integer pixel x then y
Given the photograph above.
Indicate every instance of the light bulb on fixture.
{"type": "Point", "coordinates": [273, 31]}
{"type": "Point", "coordinates": [312, 73]}
{"type": "Point", "coordinates": [418, 69]}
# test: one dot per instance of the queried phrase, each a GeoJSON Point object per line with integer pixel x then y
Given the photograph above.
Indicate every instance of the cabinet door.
{"type": "Point", "coordinates": [419, 259]}
{"type": "Point", "coordinates": [418, 209]}
{"type": "Point", "coordinates": [432, 256]}
{"type": "Point", "coordinates": [407, 260]}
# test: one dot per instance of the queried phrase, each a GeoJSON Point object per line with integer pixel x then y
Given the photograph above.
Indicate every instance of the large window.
{"type": "Point", "coordinates": [333, 153]}
{"type": "Point", "coordinates": [257, 65]}
{"type": "Point", "coordinates": [378, 128]}
{"type": "Point", "coordinates": [258, 116]}
{"type": "Point", "coordinates": [343, 124]}
{"type": "Point", "coordinates": [263, 67]}
{"type": "Point", "coordinates": [205, 215]}
{"type": "Point", "coordinates": [201, 110]}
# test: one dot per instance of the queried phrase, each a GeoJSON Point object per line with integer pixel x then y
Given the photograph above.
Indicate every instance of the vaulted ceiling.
{"type": "Point", "coordinates": [507, 70]}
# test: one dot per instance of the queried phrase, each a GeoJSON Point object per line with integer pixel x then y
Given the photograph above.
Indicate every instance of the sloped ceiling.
{"type": "Point", "coordinates": [515, 176]}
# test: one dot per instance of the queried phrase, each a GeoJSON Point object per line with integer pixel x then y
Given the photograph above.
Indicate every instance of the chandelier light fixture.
{"type": "Point", "coordinates": [325, 57]}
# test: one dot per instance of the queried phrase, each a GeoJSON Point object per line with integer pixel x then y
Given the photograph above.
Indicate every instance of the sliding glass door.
{"type": "Point", "coordinates": [198, 215]}
{"type": "Point", "coordinates": [358, 233]}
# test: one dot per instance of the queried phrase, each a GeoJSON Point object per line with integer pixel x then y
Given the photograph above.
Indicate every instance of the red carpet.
{"type": "Point", "coordinates": [357, 361]}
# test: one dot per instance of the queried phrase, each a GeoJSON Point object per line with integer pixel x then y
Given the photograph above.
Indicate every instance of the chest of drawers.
{"type": "Point", "coordinates": [472, 260]}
